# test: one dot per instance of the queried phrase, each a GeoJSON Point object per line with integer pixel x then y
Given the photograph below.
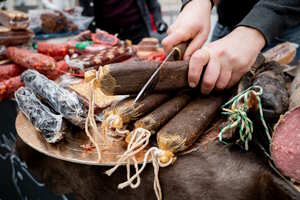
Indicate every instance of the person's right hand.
{"type": "Point", "coordinates": [193, 23]}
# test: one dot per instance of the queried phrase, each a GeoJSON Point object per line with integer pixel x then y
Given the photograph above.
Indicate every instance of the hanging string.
{"type": "Point", "coordinates": [90, 120]}
{"type": "Point", "coordinates": [139, 140]}
{"type": "Point", "coordinates": [238, 115]}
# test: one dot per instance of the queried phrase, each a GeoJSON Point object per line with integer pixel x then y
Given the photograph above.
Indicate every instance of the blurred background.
{"type": "Point", "coordinates": [170, 8]}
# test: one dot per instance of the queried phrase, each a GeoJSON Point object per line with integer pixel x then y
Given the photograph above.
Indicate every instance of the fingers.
{"type": "Point", "coordinates": [195, 44]}
{"type": "Point", "coordinates": [173, 39]}
{"type": "Point", "coordinates": [234, 79]}
{"type": "Point", "coordinates": [224, 79]}
{"type": "Point", "coordinates": [210, 76]}
{"type": "Point", "coordinates": [198, 60]}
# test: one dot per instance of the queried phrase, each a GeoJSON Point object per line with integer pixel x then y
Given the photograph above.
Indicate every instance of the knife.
{"type": "Point", "coordinates": [176, 53]}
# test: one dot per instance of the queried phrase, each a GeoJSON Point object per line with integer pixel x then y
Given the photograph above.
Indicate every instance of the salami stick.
{"type": "Point", "coordinates": [161, 115]}
{"type": "Point", "coordinates": [177, 135]}
{"type": "Point", "coordinates": [56, 51]}
{"type": "Point", "coordinates": [126, 111]}
{"type": "Point", "coordinates": [49, 124]}
{"type": "Point", "coordinates": [103, 57]}
{"type": "Point", "coordinates": [60, 99]}
{"type": "Point", "coordinates": [182, 131]}
{"type": "Point", "coordinates": [30, 60]}
{"type": "Point", "coordinates": [129, 77]}
{"type": "Point", "coordinates": [9, 70]}
{"type": "Point", "coordinates": [8, 87]}
{"type": "Point", "coordinates": [139, 138]}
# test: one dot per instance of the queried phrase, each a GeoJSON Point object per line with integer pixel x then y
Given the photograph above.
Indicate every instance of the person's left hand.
{"type": "Point", "coordinates": [227, 59]}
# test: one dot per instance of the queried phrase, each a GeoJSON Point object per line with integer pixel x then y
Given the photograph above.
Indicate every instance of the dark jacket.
{"type": "Point", "coordinates": [146, 7]}
{"type": "Point", "coordinates": [270, 17]}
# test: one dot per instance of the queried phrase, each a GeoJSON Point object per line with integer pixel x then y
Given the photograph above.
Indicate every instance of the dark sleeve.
{"type": "Point", "coordinates": [154, 8]}
{"type": "Point", "coordinates": [271, 17]}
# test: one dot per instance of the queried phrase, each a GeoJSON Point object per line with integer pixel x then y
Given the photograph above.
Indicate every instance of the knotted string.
{"type": "Point", "coordinates": [138, 141]}
{"type": "Point", "coordinates": [155, 154]}
{"type": "Point", "coordinates": [238, 115]}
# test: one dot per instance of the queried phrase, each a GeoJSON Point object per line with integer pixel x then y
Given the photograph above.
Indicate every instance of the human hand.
{"type": "Point", "coordinates": [193, 23]}
{"type": "Point", "coordinates": [227, 59]}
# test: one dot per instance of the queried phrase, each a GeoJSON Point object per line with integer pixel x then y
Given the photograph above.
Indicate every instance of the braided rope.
{"type": "Point", "coordinates": [238, 115]}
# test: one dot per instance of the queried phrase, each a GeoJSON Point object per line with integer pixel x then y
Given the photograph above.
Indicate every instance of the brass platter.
{"type": "Point", "coordinates": [69, 149]}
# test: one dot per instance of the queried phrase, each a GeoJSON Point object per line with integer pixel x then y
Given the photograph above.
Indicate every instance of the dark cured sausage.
{"type": "Point", "coordinates": [161, 115]}
{"type": "Point", "coordinates": [61, 100]}
{"type": "Point", "coordinates": [49, 124]}
{"type": "Point", "coordinates": [129, 78]}
{"type": "Point", "coordinates": [126, 111]}
{"type": "Point", "coordinates": [182, 131]}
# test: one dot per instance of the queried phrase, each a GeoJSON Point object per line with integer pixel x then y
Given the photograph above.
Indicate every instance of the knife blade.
{"type": "Point", "coordinates": [176, 53]}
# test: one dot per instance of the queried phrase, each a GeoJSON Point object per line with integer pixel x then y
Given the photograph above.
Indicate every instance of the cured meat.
{"type": "Point", "coordinates": [190, 123]}
{"type": "Point", "coordinates": [59, 99]}
{"type": "Point", "coordinates": [285, 149]}
{"type": "Point", "coordinates": [275, 97]}
{"type": "Point", "coordinates": [56, 51]}
{"type": "Point", "coordinates": [130, 77]}
{"type": "Point", "coordinates": [126, 111]}
{"type": "Point", "coordinates": [8, 87]}
{"type": "Point", "coordinates": [285, 145]}
{"type": "Point", "coordinates": [51, 126]}
{"type": "Point", "coordinates": [9, 70]}
{"type": "Point", "coordinates": [31, 60]}
{"type": "Point", "coordinates": [283, 53]}
{"type": "Point", "coordinates": [105, 56]}
{"type": "Point", "coordinates": [161, 115]}
{"type": "Point", "coordinates": [103, 37]}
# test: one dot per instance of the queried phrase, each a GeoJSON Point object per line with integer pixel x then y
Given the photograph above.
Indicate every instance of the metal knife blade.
{"type": "Point", "coordinates": [175, 54]}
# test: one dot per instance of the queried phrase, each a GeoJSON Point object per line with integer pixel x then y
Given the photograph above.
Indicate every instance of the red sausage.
{"type": "Point", "coordinates": [56, 51]}
{"type": "Point", "coordinates": [9, 70]}
{"type": "Point", "coordinates": [8, 87]}
{"type": "Point", "coordinates": [29, 59]}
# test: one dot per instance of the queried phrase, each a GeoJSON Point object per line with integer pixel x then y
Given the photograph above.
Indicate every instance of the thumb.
{"type": "Point", "coordinates": [172, 40]}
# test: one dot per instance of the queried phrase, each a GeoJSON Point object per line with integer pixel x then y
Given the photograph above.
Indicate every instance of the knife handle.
{"type": "Point", "coordinates": [180, 50]}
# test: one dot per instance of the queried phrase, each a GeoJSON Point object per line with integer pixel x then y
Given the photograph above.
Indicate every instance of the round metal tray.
{"type": "Point", "coordinates": [69, 149]}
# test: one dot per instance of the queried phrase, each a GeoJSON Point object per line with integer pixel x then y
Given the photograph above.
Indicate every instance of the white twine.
{"type": "Point", "coordinates": [138, 141]}
{"type": "Point", "coordinates": [91, 118]}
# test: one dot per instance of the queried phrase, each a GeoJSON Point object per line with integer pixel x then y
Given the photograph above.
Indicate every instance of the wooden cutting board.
{"type": "Point", "coordinates": [69, 149]}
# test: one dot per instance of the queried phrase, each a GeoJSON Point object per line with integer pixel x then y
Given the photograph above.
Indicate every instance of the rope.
{"type": "Point", "coordinates": [138, 141]}
{"type": "Point", "coordinates": [90, 120]}
{"type": "Point", "coordinates": [155, 153]}
{"type": "Point", "coordinates": [238, 115]}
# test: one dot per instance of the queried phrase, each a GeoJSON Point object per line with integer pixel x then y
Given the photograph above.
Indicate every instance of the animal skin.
{"type": "Point", "coordinates": [213, 172]}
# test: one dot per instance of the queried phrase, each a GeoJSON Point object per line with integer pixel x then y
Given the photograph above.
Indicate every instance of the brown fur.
{"type": "Point", "coordinates": [217, 172]}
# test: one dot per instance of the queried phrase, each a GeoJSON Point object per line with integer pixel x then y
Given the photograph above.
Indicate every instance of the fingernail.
{"type": "Point", "coordinates": [192, 84]}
